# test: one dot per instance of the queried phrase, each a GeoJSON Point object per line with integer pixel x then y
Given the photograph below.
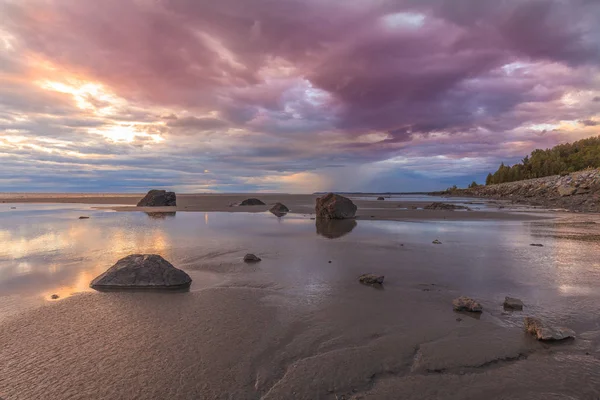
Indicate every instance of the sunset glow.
{"type": "Point", "coordinates": [273, 95]}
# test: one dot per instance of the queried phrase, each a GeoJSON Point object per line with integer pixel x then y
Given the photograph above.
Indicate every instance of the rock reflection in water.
{"type": "Point", "coordinates": [334, 228]}
{"type": "Point", "coordinates": [161, 215]}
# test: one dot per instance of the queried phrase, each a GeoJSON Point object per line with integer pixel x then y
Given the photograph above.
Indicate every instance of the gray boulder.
{"type": "Point", "coordinates": [464, 303]}
{"type": "Point", "coordinates": [279, 209]}
{"type": "Point", "coordinates": [371, 279]}
{"type": "Point", "coordinates": [158, 198]}
{"type": "Point", "coordinates": [252, 202]}
{"type": "Point", "coordinates": [334, 206]}
{"type": "Point", "coordinates": [543, 332]}
{"type": "Point", "coordinates": [510, 303]}
{"type": "Point", "coordinates": [251, 258]}
{"type": "Point", "coordinates": [142, 271]}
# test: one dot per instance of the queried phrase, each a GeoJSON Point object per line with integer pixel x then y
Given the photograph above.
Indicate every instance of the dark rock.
{"type": "Point", "coordinates": [252, 202]}
{"type": "Point", "coordinates": [142, 271]}
{"type": "Point", "coordinates": [381, 198]}
{"type": "Point", "coordinates": [541, 331]}
{"type": "Point", "coordinates": [466, 304]}
{"type": "Point", "coordinates": [54, 296]}
{"type": "Point", "coordinates": [84, 217]}
{"type": "Point", "coordinates": [445, 206]}
{"type": "Point", "coordinates": [333, 229]}
{"type": "Point", "coordinates": [251, 258]}
{"type": "Point", "coordinates": [279, 209]}
{"type": "Point", "coordinates": [370, 279]}
{"type": "Point", "coordinates": [510, 303]}
{"type": "Point", "coordinates": [13, 208]}
{"type": "Point", "coordinates": [436, 242]}
{"type": "Point", "coordinates": [158, 198]}
{"type": "Point", "coordinates": [537, 245]}
{"type": "Point", "coordinates": [334, 206]}
{"type": "Point", "coordinates": [161, 215]}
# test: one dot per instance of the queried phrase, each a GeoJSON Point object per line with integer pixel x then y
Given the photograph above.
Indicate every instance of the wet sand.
{"type": "Point", "coordinates": [298, 325]}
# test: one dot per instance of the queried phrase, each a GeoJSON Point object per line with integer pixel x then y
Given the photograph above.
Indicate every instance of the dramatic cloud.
{"type": "Point", "coordinates": [292, 95]}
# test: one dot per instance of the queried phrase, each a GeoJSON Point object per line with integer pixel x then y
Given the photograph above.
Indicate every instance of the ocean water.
{"type": "Point", "coordinates": [264, 330]}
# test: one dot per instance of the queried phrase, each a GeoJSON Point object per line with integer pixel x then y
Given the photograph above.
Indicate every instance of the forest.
{"type": "Point", "coordinates": [561, 159]}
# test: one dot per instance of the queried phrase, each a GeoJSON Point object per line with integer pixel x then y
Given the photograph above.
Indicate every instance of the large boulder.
{"type": "Point", "coordinates": [142, 271]}
{"type": "Point", "coordinates": [252, 202]}
{"type": "Point", "coordinates": [279, 209]}
{"type": "Point", "coordinates": [334, 206]}
{"type": "Point", "coordinates": [158, 198]}
{"type": "Point", "coordinates": [544, 332]}
{"type": "Point", "coordinates": [566, 190]}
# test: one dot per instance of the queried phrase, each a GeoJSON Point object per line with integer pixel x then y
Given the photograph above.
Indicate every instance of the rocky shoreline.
{"type": "Point", "coordinates": [578, 191]}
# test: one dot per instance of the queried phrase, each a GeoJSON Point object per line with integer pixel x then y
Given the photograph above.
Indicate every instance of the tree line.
{"type": "Point", "coordinates": [561, 159]}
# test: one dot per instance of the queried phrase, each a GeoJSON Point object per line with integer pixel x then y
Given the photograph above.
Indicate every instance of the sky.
{"type": "Point", "coordinates": [289, 96]}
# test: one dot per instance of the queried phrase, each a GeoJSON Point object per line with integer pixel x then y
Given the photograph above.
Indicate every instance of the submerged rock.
{"type": "Point", "coordinates": [444, 206]}
{"type": "Point", "coordinates": [371, 279]}
{"type": "Point", "coordinates": [250, 258]}
{"type": "Point", "coordinates": [334, 206]}
{"type": "Point", "coordinates": [381, 198]}
{"type": "Point", "coordinates": [279, 209]}
{"type": "Point", "coordinates": [541, 331]}
{"type": "Point", "coordinates": [252, 202]}
{"type": "Point", "coordinates": [158, 198]}
{"type": "Point", "coordinates": [142, 271]}
{"type": "Point", "coordinates": [510, 303]}
{"type": "Point", "coordinates": [464, 303]}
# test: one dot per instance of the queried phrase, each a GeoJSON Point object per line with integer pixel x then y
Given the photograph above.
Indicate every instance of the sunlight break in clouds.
{"type": "Point", "coordinates": [291, 96]}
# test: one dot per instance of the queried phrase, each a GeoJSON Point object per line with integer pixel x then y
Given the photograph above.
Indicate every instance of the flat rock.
{"type": "Point", "coordinates": [464, 303]}
{"type": "Point", "coordinates": [252, 202]}
{"type": "Point", "coordinates": [250, 258]}
{"type": "Point", "coordinates": [444, 206]}
{"type": "Point", "coordinates": [371, 279]}
{"type": "Point", "coordinates": [158, 198]}
{"type": "Point", "coordinates": [142, 271]}
{"type": "Point", "coordinates": [334, 206]}
{"type": "Point", "coordinates": [510, 303]}
{"type": "Point", "coordinates": [84, 217]}
{"type": "Point", "coordinates": [279, 209]}
{"type": "Point", "coordinates": [566, 190]}
{"type": "Point", "coordinates": [536, 245]}
{"type": "Point", "coordinates": [381, 198]}
{"type": "Point", "coordinates": [544, 332]}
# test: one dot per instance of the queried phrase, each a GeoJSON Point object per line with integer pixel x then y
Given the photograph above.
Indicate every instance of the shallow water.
{"type": "Point", "coordinates": [300, 303]}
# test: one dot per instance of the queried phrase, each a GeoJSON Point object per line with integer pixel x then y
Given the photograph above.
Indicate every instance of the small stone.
{"type": "Point", "coordinates": [329, 261]}
{"type": "Point", "coordinates": [380, 198]}
{"type": "Point", "coordinates": [84, 217]}
{"type": "Point", "coordinates": [510, 303]}
{"type": "Point", "coordinates": [13, 208]}
{"type": "Point", "coordinates": [543, 332]}
{"type": "Point", "coordinates": [458, 319]}
{"type": "Point", "coordinates": [371, 279]}
{"type": "Point", "coordinates": [536, 245]}
{"type": "Point", "coordinates": [251, 258]}
{"type": "Point", "coordinates": [54, 296]}
{"type": "Point", "coordinates": [436, 242]}
{"type": "Point", "coordinates": [464, 303]}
